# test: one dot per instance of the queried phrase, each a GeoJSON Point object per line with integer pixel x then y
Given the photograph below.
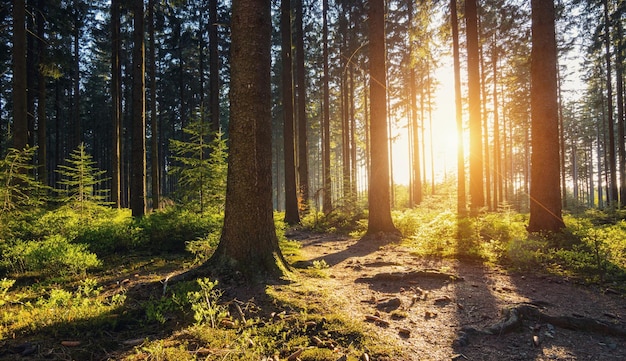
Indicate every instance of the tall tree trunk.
{"type": "Point", "coordinates": [248, 242]}
{"type": "Point", "coordinates": [138, 171]}
{"type": "Point", "coordinates": [42, 143]}
{"type": "Point", "coordinates": [621, 145]}
{"type": "Point", "coordinates": [379, 201]}
{"type": "Point", "coordinates": [214, 63]}
{"type": "Point", "coordinates": [327, 182]}
{"type": "Point", "coordinates": [154, 121]}
{"type": "Point", "coordinates": [20, 113]}
{"type": "Point", "coordinates": [345, 104]}
{"type": "Point", "coordinates": [78, 136]}
{"type": "Point", "coordinates": [545, 192]}
{"type": "Point", "coordinates": [613, 193]}
{"type": "Point", "coordinates": [291, 193]}
{"type": "Point", "coordinates": [461, 199]}
{"type": "Point", "coordinates": [497, 162]}
{"type": "Point", "coordinates": [477, 194]}
{"type": "Point", "coordinates": [116, 70]}
{"type": "Point", "coordinates": [303, 143]}
{"type": "Point", "coordinates": [416, 176]}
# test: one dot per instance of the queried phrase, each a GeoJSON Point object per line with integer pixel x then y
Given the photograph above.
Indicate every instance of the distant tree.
{"type": "Point", "coordinates": [545, 192]}
{"type": "Point", "coordinates": [248, 242]}
{"type": "Point", "coordinates": [138, 169]}
{"type": "Point", "coordinates": [379, 195]}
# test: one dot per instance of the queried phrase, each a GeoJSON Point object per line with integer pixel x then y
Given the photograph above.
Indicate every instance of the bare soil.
{"type": "Point", "coordinates": [423, 306]}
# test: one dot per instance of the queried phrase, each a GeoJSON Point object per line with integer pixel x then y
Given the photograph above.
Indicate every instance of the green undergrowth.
{"type": "Point", "coordinates": [591, 247]}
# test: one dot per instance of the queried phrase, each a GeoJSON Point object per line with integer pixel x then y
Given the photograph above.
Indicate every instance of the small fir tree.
{"type": "Point", "coordinates": [80, 180]}
{"type": "Point", "coordinates": [201, 168]}
{"type": "Point", "coordinates": [19, 190]}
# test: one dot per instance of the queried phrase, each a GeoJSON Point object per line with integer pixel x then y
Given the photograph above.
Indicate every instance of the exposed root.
{"type": "Point", "coordinates": [513, 318]}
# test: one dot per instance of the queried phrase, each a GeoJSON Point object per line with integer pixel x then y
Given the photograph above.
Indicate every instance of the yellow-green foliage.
{"type": "Point", "coordinates": [52, 256]}
{"type": "Point", "coordinates": [60, 308]}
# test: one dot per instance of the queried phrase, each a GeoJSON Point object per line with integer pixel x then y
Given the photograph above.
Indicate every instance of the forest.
{"type": "Point", "coordinates": [316, 180]}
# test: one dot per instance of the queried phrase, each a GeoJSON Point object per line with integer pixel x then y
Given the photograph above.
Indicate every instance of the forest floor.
{"type": "Point", "coordinates": [414, 308]}
{"type": "Point", "coordinates": [425, 304]}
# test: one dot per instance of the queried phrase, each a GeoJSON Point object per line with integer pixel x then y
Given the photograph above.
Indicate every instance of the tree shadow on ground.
{"type": "Point", "coordinates": [485, 334]}
{"type": "Point", "coordinates": [355, 248]}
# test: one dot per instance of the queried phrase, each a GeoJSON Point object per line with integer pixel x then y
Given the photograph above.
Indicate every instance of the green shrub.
{"type": "Point", "coordinates": [170, 229]}
{"type": "Point", "coordinates": [53, 256]}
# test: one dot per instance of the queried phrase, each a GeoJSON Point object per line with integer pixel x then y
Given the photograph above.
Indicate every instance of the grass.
{"type": "Point", "coordinates": [119, 309]}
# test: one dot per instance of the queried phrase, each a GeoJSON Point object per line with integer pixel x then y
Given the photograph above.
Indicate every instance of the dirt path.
{"type": "Point", "coordinates": [424, 304]}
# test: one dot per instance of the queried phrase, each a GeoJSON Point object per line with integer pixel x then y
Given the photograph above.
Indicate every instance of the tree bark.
{"type": "Point", "coordinates": [477, 194]}
{"type": "Point", "coordinates": [248, 242]}
{"type": "Point", "coordinates": [379, 219]}
{"type": "Point", "coordinates": [461, 197]}
{"type": "Point", "coordinates": [545, 192]}
{"type": "Point", "coordinates": [327, 182]}
{"type": "Point", "coordinates": [613, 192]}
{"type": "Point", "coordinates": [303, 156]}
{"type": "Point", "coordinates": [138, 176]}
{"type": "Point", "coordinates": [42, 144]}
{"type": "Point", "coordinates": [291, 193]}
{"type": "Point", "coordinates": [20, 114]}
{"type": "Point", "coordinates": [154, 122]}
{"type": "Point", "coordinates": [116, 179]}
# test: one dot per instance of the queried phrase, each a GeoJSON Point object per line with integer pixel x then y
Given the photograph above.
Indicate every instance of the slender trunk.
{"type": "Point", "coordinates": [214, 63]}
{"type": "Point", "coordinates": [303, 143]}
{"type": "Point", "coordinates": [416, 177]}
{"type": "Point", "coordinates": [327, 196]}
{"type": "Point", "coordinates": [613, 193]}
{"type": "Point", "coordinates": [20, 113]}
{"type": "Point", "coordinates": [619, 74]}
{"type": "Point", "coordinates": [154, 122]}
{"type": "Point", "coordinates": [497, 162]}
{"type": "Point", "coordinates": [41, 96]}
{"type": "Point", "coordinates": [461, 199]}
{"type": "Point", "coordinates": [138, 171]}
{"type": "Point", "coordinates": [116, 189]}
{"type": "Point", "coordinates": [291, 193]}
{"type": "Point", "coordinates": [477, 194]}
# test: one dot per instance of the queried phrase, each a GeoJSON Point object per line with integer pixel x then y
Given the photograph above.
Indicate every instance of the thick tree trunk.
{"type": "Point", "coordinates": [545, 192]}
{"type": "Point", "coordinates": [291, 192]}
{"type": "Point", "coordinates": [138, 171]}
{"type": "Point", "coordinates": [248, 242]}
{"type": "Point", "coordinates": [379, 199]}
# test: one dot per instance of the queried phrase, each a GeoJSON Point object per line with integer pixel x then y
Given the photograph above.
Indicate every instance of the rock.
{"type": "Point", "coordinates": [389, 305]}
